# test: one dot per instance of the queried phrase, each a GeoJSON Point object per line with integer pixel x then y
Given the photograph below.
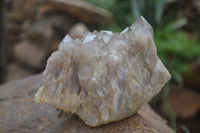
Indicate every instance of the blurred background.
{"type": "Point", "coordinates": [30, 30]}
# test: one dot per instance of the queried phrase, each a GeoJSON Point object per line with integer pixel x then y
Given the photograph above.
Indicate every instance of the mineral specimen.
{"type": "Point", "coordinates": [104, 76]}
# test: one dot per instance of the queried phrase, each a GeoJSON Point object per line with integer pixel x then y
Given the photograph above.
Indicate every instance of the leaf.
{"type": "Point", "coordinates": [136, 8]}
{"type": "Point", "coordinates": [178, 23]}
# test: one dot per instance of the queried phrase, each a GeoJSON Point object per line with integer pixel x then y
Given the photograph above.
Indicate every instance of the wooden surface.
{"type": "Point", "coordinates": [20, 114]}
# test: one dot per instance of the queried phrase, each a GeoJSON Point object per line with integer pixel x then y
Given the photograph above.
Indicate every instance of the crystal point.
{"type": "Point", "coordinates": [104, 76]}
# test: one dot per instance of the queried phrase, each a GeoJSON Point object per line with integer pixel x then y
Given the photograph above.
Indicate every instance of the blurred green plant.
{"type": "Point", "coordinates": [176, 49]}
{"type": "Point", "coordinates": [126, 11]}
{"type": "Point", "coordinates": [121, 11]}
{"type": "Point", "coordinates": [152, 10]}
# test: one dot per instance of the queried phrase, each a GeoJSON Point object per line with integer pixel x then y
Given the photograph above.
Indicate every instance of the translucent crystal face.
{"type": "Point", "coordinates": [104, 76]}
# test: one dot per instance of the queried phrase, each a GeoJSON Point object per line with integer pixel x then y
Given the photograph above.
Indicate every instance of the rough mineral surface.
{"type": "Point", "coordinates": [104, 76]}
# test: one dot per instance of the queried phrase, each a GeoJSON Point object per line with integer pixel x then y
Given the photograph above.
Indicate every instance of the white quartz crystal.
{"type": "Point", "coordinates": [104, 76]}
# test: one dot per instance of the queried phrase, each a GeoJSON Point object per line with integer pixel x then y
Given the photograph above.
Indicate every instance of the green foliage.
{"type": "Point", "coordinates": [185, 129]}
{"type": "Point", "coordinates": [152, 10]}
{"type": "Point", "coordinates": [126, 11]}
{"type": "Point", "coordinates": [119, 8]}
{"type": "Point", "coordinates": [175, 49]}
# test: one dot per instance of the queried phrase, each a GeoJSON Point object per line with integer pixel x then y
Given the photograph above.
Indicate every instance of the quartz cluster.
{"type": "Point", "coordinates": [104, 76]}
